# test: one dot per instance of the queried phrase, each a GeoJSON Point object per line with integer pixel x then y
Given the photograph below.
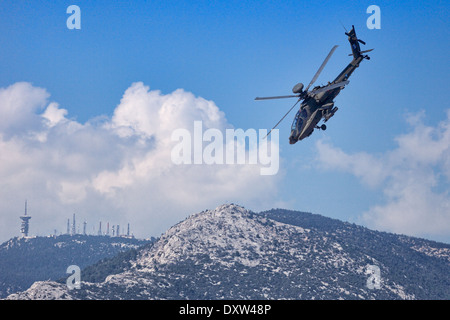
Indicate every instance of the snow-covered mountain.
{"type": "Point", "coordinates": [233, 253]}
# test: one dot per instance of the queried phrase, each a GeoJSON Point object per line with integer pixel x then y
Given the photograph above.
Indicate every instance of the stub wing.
{"type": "Point", "coordinates": [331, 87]}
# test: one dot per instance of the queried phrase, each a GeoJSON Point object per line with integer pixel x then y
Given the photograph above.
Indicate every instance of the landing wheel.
{"type": "Point", "coordinates": [323, 127]}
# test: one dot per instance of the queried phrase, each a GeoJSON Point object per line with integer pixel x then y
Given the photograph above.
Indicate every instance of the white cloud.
{"type": "Point", "coordinates": [414, 178]}
{"type": "Point", "coordinates": [148, 113]}
{"type": "Point", "coordinates": [116, 169]}
{"type": "Point", "coordinates": [19, 103]}
{"type": "Point", "coordinates": [363, 165]}
{"type": "Point", "coordinates": [53, 114]}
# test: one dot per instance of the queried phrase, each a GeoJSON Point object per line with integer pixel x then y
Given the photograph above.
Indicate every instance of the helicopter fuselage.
{"type": "Point", "coordinates": [317, 106]}
{"type": "Point", "coordinates": [309, 115]}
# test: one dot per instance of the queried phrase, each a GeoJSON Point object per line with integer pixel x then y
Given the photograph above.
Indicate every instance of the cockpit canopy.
{"type": "Point", "coordinates": [299, 119]}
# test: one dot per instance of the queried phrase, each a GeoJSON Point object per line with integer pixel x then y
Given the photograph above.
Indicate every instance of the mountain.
{"type": "Point", "coordinates": [26, 260]}
{"type": "Point", "coordinates": [233, 253]}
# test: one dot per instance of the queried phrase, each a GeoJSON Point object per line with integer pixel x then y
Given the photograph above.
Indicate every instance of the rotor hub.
{"type": "Point", "coordinates": [298, 88]}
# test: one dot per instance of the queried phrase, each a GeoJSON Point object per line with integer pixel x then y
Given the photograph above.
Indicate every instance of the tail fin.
{"type": "Point", "coordinates": [354, 44]}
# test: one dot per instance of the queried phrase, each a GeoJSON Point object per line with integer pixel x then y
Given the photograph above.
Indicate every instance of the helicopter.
{"type": "Point", "coordinates": [318, 103]}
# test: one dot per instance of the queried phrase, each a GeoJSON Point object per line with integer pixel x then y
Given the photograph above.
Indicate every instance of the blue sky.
{"type": "Point", "coordinates": [229, 52]}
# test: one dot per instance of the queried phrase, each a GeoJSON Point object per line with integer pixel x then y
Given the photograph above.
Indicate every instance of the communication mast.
{"type": "Point", "coordinates": [73, 225]}
{"type": "Point", "coordinates": [25, 222]}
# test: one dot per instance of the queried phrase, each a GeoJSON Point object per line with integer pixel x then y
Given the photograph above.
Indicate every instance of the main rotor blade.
{"type": "Point", "coordinates": [330, 87]}
{"type": "Point", "coordinates": [277, 97]}
{"type": "Point", "coordinates": [282, 118]}
{"type": "Point", "coordinates": [321, 67]}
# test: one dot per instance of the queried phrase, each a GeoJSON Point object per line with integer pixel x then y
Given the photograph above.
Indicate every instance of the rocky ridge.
{"type": "Point", "coordinates": [233, 253]}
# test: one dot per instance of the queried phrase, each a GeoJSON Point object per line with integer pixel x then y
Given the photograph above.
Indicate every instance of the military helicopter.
{"type": "Point", "coordinates": [318, 103]}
